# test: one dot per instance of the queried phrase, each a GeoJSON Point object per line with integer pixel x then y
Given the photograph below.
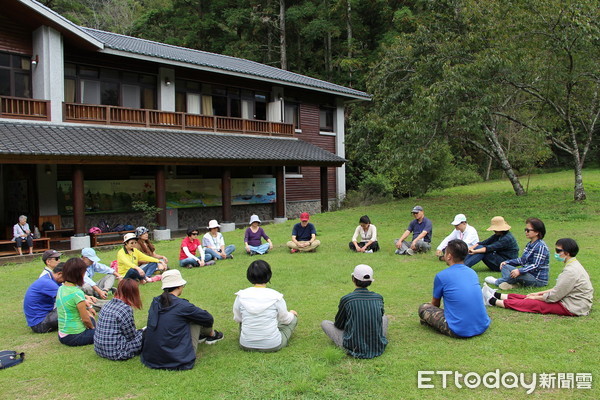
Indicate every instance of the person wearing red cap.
{"type": "Point", "coordinates": [303, 236]}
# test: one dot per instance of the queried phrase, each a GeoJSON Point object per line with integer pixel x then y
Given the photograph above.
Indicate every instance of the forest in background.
{"type": "Point", "coordinates": [462, 90]}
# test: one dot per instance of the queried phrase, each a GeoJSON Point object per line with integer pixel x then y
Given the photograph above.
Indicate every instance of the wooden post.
{"type": "Point", "coordinates": [78, 196]}
{"type": "Point", "coordinates": [324, 190]}
{"type": "Point", "coordinates": [280, 193]}
{"type": "Point", "coordinates": [161, 196]}
{"type": "Point", "coordinates": [226, 195]}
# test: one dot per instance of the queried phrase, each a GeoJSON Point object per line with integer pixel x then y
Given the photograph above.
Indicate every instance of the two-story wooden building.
{"type": "Point", "coordinates": [91, 121]}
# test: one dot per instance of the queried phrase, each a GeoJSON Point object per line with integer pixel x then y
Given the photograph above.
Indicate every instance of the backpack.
{"type": "Point", "coordinates": [103, 226]}
{"type": "Point", "coordinates": [9, 358]}
{"type": "Point", "coordinates": [129, 228]}
{"type": "Point", "coordinates": [94, 230]}
{"type": "Point", "coordinates": [119, 228]}
{"type": "Point", "coordinates": [48, 226]}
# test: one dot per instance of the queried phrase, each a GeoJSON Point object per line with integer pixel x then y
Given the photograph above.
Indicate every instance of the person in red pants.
{"type": "Point", "coordinates": [572, 295]}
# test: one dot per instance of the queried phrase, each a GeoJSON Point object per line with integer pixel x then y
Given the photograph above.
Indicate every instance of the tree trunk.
{"type": "Point", "coordinates": [579, 193]}
{"type": "Point", "coordinates": [282, 38]}
{"type": "Point", "coordinates": [496, 147]}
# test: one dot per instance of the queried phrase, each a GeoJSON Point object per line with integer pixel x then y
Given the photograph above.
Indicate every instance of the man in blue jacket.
{"type": "Point", "coordinates": [40, 297]}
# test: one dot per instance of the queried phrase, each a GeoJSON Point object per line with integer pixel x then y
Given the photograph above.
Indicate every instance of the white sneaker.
{"type": "Point", "coordinates": [369, 251]}
{"type": "Point", "coordinates": [487, 294]}
{"type": "Point", "coordinates": [410, 252]}
{"type": "Point", "coordinates": [491, 280]}
{"type": "Point", "coordinates": [507, 286]}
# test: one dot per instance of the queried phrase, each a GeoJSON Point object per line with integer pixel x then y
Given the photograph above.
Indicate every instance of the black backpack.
{"type": "Point", "coordinates": [104, 227]}
{"type": "Point", "coordinates": [119, 228]}
{"type": "Point", "coordinates": [9, 358]}
{"type": "Point", "coordinates": [47, 226]}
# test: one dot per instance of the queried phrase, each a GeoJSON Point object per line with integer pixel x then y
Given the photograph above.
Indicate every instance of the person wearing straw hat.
{"type": "Point", "coordinates": [499, 247]}
{"type": "Point", "coordinates": [214, 244]}
{"type": "Point", "coordinates": [360, 325]}
{"type": "Point", "coordinates": [175, 327]}
{"type": "Point", "coordinates": [462, 231]}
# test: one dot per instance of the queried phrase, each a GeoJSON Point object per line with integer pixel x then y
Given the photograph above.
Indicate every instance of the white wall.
{"type": "Point", "coordinates": [48, 76]}
{"type": "Point", "coordinates": [340, 149]}
{"type": "Point", "coordinates": [166, 93]}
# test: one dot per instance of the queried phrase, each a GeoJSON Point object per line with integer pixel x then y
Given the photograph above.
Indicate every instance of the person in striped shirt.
{"type": "Point", "coordinates": [360, 326]}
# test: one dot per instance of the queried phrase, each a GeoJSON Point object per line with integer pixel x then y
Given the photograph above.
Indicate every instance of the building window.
{"type": "Point", "coordinates": [15, 75]}
{"type": "Point", "coordinates": [326, 119]}
{"type": "Point", "coordinates": [293, 171]}
{"type": "Point", "coordinates": [292, 114]}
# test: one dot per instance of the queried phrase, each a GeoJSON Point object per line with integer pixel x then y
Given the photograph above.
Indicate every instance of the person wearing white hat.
{"type": "Point", "coordinates": [499, 247]}
{"type": "Point", "coordinates": [462, 231]}
{"type": "Point", "coordinates": [214, 244]}
{"type": "Point", "coordinates": [129, 259]}
{"type": "Point", "coordinates": [360, 326]}
{"type": "Point", "coordinates": [253, 236]}
{"type": "Point", "coordinates": [175, 327]}
{"type": "Point", "coordinates": [104, 285]}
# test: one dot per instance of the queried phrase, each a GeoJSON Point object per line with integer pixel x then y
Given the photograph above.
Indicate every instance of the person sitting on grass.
{"type": "Point", "coordinates": [572, 295]}
{"type": "Point", "coordinates": [499, 247]}
{"type": "Point", "coordinates": [266, 325]}
{"type": "Point", "coordinates": [463, 231]}
{"type": "Point", "coordinates": [421, 229]}
{"type": "Point", "coordinates": [75, 315]}
{"type": "Point", "coordinates": [463, 314]}
{"type": "Point", "coordinates": [360, 326]}
{"type": "Point", "coordinates": [145, 246]}
{"type": "Point", "coordinates": [175, 327]}
{"type": "Point", "coordinates": [129, 259]}
{"type": "Point", "coordinates": [367, 232]}
{"type": "Point", "coordinates": [104, 285]}
{"type": "Point", "coordinates": [534, 262]}
{"type": "Point", "coordinates": [116, 337]}
{"type": "Point", "coordinates": [253, 235]}
{"type": "Point", "coordinates": [38, 304]}
{"type": "Point", "coordinates": [303, 236]}
{"type": "Point", "coordinates": [187, 251]}
{"type": "Point", "coordinates": [50, 258]}
{"type": "Point", "coordinates": [214, 244]}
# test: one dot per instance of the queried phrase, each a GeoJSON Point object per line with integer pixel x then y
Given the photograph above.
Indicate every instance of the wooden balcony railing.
{"type": "Point", "coordinates": [111, 115]}
{"type": "Point", "coordinates": [22, 108]}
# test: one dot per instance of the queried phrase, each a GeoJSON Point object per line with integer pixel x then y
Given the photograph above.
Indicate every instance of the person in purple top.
{"type": "Point", "coordinates": [421, 228]}
{"type": "Point", "coordinates": [252, 238]}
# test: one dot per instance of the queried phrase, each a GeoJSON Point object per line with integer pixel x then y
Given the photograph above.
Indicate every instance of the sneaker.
{"type": "Point", "coordinates": [491, 280]}
{"type": "Point", "coordinates": [230, 256]}
{"type": "Point", "coordinates": [410, 252]}
{"type": "Point", "coordinates": [253, 253]}
{"type": "Point", "coordinates": [113, 290]}
{"type": "Point", "coordinates": [507, 286]}
{"type": "Point", "coordinates": [398, 252]}
{"type": "Point", "coordinates": [211, 262]}
{"type": "Point", "coordinates": [212, 339]}
{"type": "Point", "coordinates": [156, 278]}
{"type": "Point", "coordinates": [369, 251]}
{"type": "Point", "coordinates": [293, 251]}
{"type": "Point", "coordinates": [487, 294]}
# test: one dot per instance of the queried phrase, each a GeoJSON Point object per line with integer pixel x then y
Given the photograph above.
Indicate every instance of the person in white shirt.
{"type": "Point", "coordinates": [462, 231]}
{"type": "Point", "coordinates": [366, 232]}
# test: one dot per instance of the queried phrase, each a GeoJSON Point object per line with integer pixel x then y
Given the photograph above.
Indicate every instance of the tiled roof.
{"type": "Point", "coordinates": [217, 61]}
{"type": "Point", "coordinates": [32, 140]}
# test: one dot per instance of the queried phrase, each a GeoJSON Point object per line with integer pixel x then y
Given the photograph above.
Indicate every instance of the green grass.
{"type": "Point", "coordinates": [311, 367]}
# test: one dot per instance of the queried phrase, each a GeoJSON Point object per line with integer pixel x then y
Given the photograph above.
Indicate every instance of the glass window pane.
{"type": "Point", "coordinates": [219, 105]}
{"type": "Point", "coordinates": [26, 63]}
{"type": "Point", "coordinates": [70, 90]}
{"type": "Point", "coordinates": [291, 114]}
{"type": "Point", "coordinates": [90, 92]}
{"type": "Point", "coordinates": [261, 111]}
{"type": "Point", "coordinates": [70, 69]}
{"type": "Point", "coordinates": [106, 73]}
{"type": "Point", "coordinates": [235, 108]}
{"type": "Point", "coordinates": [193, 103]}
{"type": "Point", "coordinates": [180, 102]}
{"type": "Point", "coordinates": [193, 86]}
{"type": "Point", "coordinates": [131, 96]}
{"type": "Point", "coordinates": [261, 98]}
{"type": "Point", "coordinates": [88, 72]}
{"type": "Point", "coordinates": [4, 60]}
{"type": "Point", "coordinates": [110, 93]}
{"type": "Point", "coordinates": [148, 97]}
{"type": "Point", "coordinates": [130, 77]}
{"type": "Point", "coordinates": [247, 109]}
{"type": "Point", "coordinates": [148, 79]}
{"type": "Point", "coordinates": [4, 82]}
{"type": "Point", "coordinates": [22, 85]}
{"type": "Point", "coordinates": [219, 91]}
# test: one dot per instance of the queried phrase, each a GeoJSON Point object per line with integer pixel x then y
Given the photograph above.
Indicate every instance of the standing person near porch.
{"type": "Point", "coordinates": [253, 236]}
{"type": "Point", "coordinates": [214, 244]}
{"type": "Point", "coordinates": [22, 235]}
{"type": "Point", "coordinates": [303, 236]}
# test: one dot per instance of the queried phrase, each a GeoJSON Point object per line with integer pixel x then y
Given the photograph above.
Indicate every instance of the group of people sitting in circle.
{"type": "Point", "coordinates": [67, 299]}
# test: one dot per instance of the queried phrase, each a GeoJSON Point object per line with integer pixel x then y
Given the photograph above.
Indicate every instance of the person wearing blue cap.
{"type": "Point", "coordinates": [104, 285]}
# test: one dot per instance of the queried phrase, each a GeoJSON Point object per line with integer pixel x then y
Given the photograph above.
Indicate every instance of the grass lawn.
{"type": "Point", "coordinates": [311, 367]}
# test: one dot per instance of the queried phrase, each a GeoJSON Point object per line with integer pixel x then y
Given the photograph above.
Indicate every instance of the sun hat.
{"type": "Point", "coordinates": [172, 278]}
{"type": "Point", "coordinates": [213, 224]}
{"type": "Point", "coordinates": [254, 218]}
{"type": "Point", "coordinates": [304, 216]}
{"type": "Point", "coordinates": [128, 237]}
{"type": "Point", "coordinates": [499, 224]}
{"type": "Point", "coordinates": [458, 219]}
{"type": "Point", "coordinates": [363, 272]}
{"type": "Point", "coordinates": [417, 209]}
{"type": "Point", "coordinates": [50, 254]}
{"type": "Point", "coordinates": [90, 253]}
{"type": "Point", "coordinates": [140, 230]}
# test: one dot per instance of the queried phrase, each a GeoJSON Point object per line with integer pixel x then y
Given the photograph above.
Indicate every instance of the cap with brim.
{"type": "Point", "coordinates": [172, 279]}
{"type": "Point", "coordinates": [254, 218]}
{"type": "Point", "coordinates": [304, 216]}
{"type": "Point", "coordinates": [90, 253]}
{"type": "Point", "coordinates": [213, 224]}
{"type": "Point", "coordinates": [128, 237]}
{"type": "Point", "coordinates": [459, 219]}
{"type": "Point", "coordinates": [50, 254]}
{"type": "Point", "coordinates": [363, 272]}
{"type": "Point", "coordinates": [417, 209]}
{"type": "Point", "coordinates": [499, 224]}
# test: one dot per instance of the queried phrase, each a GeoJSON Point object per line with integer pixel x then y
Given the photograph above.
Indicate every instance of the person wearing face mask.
{"type": "Point", "coordinates": [572, 295]}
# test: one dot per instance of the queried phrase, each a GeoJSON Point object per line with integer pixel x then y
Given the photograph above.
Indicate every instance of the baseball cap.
{"type": "Point", "coordinates": [90, 253]}
{"type": "Point", "coordinates": [459, 218]}
{"type": "Point", "coordinates": [304, 216]}
{"type": "Point", "coordinates": [50, 254]}
{"type": "Point", "coordinates": [363, 272]}
{"type": "Point", "coordinates": [417, 209]}
{"type": "Point", "coordinates": [128, 237]}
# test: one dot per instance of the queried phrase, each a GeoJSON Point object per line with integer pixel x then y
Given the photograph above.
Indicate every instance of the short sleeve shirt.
{"type": "Point", "coordinates": [303, 233]}
{"type": "Point", "coordinates": [416, 228]}
{"type": "Point", "coordinates": [69, 320]}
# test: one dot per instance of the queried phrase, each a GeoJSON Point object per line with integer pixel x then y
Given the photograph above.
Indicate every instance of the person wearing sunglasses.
{"type": "Point", "coordinates": [534, 263]}
{"type": "Point", "coordinates": [572, 295]}
{"type": "Point", "coordinates": [187, 253]}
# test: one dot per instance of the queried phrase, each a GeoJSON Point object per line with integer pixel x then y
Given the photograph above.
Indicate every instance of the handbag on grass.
{"type": "Point", "coordinates": [9, 358]}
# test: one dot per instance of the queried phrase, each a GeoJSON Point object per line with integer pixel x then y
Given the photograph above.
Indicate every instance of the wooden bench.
{"type": "Point", "coordinates": [59, 235]}
{"type": "Point", "coordinates": [43, 244]}
{"type": "Point", "coordinates": [106, 238]}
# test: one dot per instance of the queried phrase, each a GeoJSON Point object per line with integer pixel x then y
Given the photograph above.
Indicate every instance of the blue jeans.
{"type": "Point", "coordinates": [492, 260]}
{"type": "Point", "coordinates": [192, 261]}
{"type": "Point", "coordinates": [262, 249]}
{"type": "Point", "coordinates": [79, 339]}
{"type": "Point", "coordinates": [525, 279]}
{"type": "Point", "coordinates": [148, 271]}
{"type": "Point", "coordinates": [228, 250]}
